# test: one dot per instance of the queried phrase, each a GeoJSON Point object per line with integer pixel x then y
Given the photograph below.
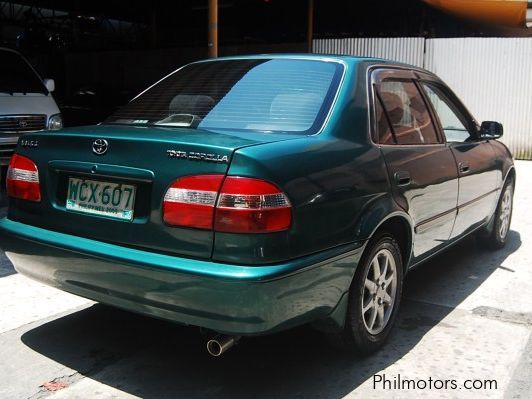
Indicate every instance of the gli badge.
{"type": "Point", "coordinates": [100, 146]}
{"type": "Point", "coordinates": [29, 143]}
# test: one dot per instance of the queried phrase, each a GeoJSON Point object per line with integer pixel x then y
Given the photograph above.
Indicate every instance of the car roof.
{"type": "Point", "coordinates": [340, 58]}
{"type": "Point", "coordinates": [316, 57]}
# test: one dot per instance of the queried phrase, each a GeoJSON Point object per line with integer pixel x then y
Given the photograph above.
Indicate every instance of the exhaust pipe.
{"type": "Point", "coordinates": [221, 344]}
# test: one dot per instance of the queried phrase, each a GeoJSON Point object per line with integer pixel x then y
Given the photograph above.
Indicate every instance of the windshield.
{"type": "Point", "coordinates": [16, 76]}
{"type": "Point", "coordinates": [273, 95]}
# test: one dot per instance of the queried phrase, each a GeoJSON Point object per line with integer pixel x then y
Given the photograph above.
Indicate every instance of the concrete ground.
{"type": "Point", "coordinates": [467, 315]}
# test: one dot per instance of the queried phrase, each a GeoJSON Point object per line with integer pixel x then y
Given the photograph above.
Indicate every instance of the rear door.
{"type": "Point", "coordinates": [421, 167]}
{"type": "Point", "coordinates": [477, 167]}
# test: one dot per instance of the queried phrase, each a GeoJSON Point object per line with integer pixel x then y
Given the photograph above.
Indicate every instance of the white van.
{"type": "Point", "coordinates": [26, 102]}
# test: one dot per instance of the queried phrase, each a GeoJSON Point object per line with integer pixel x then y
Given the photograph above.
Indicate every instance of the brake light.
{"type": "Point", "coordinates": [239, 205]}
{"type": "Point", "coordinates": [23, 179]}
{"type": "Point", "coordinates": [250, 205]}
{"type": "Point", "coordinates": [190, 201]}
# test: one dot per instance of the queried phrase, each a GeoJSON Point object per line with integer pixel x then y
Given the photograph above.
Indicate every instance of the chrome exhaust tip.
{"type": "Point", "coordinates": [220, 344]}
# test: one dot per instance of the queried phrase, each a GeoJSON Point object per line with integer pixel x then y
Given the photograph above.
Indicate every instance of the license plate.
{"type": "Point", "coordinates": [101, 198]}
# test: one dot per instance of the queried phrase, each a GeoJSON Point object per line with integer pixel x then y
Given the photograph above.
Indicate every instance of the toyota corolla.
{"type": "Point", "coordinates": [253, 194]}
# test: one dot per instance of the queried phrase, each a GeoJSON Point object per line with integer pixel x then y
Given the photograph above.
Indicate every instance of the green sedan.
{"type": "Point", "coordinates": [249, 195]}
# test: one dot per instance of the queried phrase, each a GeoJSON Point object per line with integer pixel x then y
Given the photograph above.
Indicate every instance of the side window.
{"type": "Point", "coordinates": [453, 128]}
{"type": "Point", "coordinates": [407, 113]}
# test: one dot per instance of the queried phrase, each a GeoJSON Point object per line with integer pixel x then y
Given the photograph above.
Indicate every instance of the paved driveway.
{"type": "Point", "coordinates": [467, 315]}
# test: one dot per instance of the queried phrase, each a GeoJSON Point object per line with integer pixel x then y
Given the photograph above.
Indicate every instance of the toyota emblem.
{"type": "Point", "coordinates": [22, 124]}
{"type": "Point", "coordinates": [100, 146]}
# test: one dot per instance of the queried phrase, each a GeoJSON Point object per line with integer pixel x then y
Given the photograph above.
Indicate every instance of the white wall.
{"type": "Point", "coordinates": [403, 49]}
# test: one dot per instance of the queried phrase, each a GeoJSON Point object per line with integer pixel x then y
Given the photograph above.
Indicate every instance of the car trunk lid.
{"type": "Point", "coordinates": [144, 160]}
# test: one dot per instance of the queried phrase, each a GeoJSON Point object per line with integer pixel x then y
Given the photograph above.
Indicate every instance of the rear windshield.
{"type": "Point", "coordinates": [273, 95]}
{"type": "Point", "coordinates": [16, 76]}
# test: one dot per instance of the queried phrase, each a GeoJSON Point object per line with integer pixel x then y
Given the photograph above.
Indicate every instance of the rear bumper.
{"type": "Point", "coordinates": [240, 300]}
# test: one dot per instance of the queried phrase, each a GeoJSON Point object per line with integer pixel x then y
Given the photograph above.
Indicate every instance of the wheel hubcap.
{"type": "Point", "coordinates": [380, 285]}
{"type": "Point", "coordinates": [505, 213]}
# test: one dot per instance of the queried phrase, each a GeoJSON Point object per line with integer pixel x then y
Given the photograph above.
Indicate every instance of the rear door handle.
{"type": "Point", "coordinates": [463, 167]}
{"type": "Point", "coordinates": [402, 178]}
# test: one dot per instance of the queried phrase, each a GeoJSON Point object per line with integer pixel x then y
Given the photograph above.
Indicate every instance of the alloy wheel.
{"type": "Point", "coordinates": [505, 213]}
{"type": "Point", "coordinates": [380, 286]}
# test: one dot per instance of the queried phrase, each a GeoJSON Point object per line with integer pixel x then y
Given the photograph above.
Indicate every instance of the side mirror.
{"type": "Point", "coordinates": [50, 84]}
{"type": "Point", "coordinates": [491, 130]}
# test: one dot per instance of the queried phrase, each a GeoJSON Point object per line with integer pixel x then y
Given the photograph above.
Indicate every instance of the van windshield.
{"type": "Point", "coordinates": [16, 76]}
{"type": "Point", "coordinates": [271, 95]}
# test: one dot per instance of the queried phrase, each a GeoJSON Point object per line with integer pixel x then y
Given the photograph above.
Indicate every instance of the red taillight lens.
{"type": "Point", "coordinates": [248, 205]}
{"type": "Point", "coordinates": [190, 201]}
{"type": "Point", "coordinates": [23, 179]}
{"type": "Point", "coordinates": [239, 205]}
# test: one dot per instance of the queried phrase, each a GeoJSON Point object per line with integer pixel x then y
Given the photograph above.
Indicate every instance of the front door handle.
{"type": "Point", "coordinates": [464, 167]}
{"type": "Point", "coordinates": [402, 178]}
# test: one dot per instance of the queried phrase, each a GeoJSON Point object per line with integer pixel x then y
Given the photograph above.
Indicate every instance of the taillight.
{"type": "Point", "coordinates": [23, 179]}
{"type": "Point", "coordinates": [190, 201]}
{"type": "Point", "coordinates": [239, 205]}
{"type": "Point", "coordinates": [250, 205]}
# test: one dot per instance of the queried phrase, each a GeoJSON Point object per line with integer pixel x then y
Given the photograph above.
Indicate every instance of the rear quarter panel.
{"type": "Point", "coordinates": [330, 183]}
{"type": "Point", "coordinates": [336, 182]}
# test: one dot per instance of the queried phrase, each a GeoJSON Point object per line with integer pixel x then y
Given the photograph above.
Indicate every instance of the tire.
{"type": "Point", "coordinates": [496, 236]}
{"type": "Point", "coordinates": [371, 314]}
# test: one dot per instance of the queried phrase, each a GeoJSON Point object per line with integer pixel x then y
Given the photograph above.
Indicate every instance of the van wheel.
{"type": "Point", "coordinates": [497, 237]}
{"type": "Point", "coordinates": [374, 298]}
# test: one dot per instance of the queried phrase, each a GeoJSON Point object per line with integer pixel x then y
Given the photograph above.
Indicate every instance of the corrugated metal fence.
{"type": "Point", "coordinates": [409, 50]}
{"type": "Point", "coordinates": [493, 76]}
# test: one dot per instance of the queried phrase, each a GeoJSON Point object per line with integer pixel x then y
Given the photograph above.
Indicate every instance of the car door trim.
{"type": "Point", "coordinates": [473, 201]}
{"type": "Point", "coordinates": [435, 220]}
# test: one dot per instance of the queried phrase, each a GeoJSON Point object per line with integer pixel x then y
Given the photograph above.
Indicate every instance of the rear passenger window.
{"type": "Point", "coordinates": [407, 113]}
